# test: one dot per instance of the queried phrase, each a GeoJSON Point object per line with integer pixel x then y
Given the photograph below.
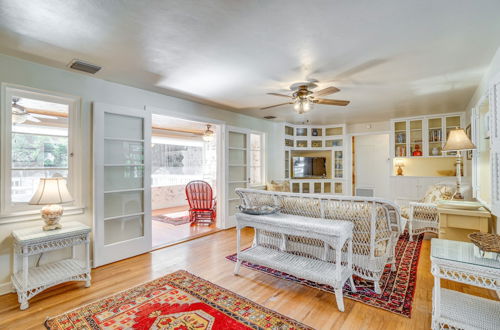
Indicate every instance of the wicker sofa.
{"type": "Point", "coordinates": [377, 226]}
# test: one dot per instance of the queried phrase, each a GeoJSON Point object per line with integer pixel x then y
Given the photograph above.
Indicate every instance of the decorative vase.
{"type": "Point", "coordinates": [435, 151]}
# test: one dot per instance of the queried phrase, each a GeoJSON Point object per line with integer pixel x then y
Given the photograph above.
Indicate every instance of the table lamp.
{"type": "Point", "coordinates": [51, 192]}
{"type": "Point", "coordinates": [399, 163]}
{"type": "Point", "coordinates": [458, 141]}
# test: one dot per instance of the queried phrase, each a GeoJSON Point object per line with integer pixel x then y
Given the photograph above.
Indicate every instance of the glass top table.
{"type": "Point", "coordinates": [463, 252]}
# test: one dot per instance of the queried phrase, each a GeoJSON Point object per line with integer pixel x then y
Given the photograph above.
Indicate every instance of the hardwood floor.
{"type": "Point", "coordinates": [167, 234]}
{"type": "Point", "coordinates": [205, 257]}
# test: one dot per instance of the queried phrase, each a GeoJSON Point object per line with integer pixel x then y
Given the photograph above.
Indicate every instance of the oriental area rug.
{"type": "Point", "coordinates": [176, 219]}
{"type": "Point", "coordinates": [398, 287]}
{"type": "Point", "coordinates": [179, 300]}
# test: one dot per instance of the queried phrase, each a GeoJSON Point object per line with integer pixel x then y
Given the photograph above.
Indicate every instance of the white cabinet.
{"type": "Point", "coordinates": [414, 187]}
{"type": "Point", "coordinates": [320, 138]}
{"type": "Point", "coordinates": [423, 136]}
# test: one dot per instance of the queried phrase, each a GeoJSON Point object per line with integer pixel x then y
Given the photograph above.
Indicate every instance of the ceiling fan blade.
{"type": "Point", "coordinates": [277, 94]}
{"type": "Point", "coordinates": [33, 119]}
{"type": "Point", "coordinates": [331, 102]}
{"type": "Point", "coordinates": [49, 113]}
{"type": "Point", "coordinates": [276, 105]}
{"type": "Point", "coordinates": [43, 116]}
{"type": "Point", "coordinates": [326, 91]}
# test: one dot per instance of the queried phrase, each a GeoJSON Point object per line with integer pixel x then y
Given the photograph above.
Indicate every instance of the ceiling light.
{"type": "Point", "coordinates": [208, 135]}
{"type": "Point", "coordinates": [302, 105]}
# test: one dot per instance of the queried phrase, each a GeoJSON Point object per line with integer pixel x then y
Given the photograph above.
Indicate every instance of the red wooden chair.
{"type": "Point", "coordinates": [202, 204]}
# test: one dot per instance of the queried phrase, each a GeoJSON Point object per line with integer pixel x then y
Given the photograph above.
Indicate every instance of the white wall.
{"type": "Point", "coordinates": [90, 89]}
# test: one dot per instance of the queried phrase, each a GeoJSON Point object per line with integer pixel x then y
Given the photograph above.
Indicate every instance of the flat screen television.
{"type": "Point", "coordinates": [307, 167]}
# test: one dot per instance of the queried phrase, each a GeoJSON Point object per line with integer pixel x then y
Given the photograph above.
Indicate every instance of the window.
{"type": "Point", "coordinates": [38, 132]}
{"type": "Point", "coordinates": [256, 159]}
{"type": "Point", "coordinates": [179, 161]}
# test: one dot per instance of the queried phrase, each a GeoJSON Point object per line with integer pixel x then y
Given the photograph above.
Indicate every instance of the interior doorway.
{"type": "Point", "coordinates": [181, 151]}
{"type": "Point", "coordinates": [371, 166]}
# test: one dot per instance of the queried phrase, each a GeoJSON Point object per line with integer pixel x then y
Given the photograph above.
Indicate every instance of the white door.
{"type": "Point", "coordinates": [372, 164]}
{"type": "Point", "coordinates": [122, 175]}
{"type": "Point", "coordinates": [237, 170]}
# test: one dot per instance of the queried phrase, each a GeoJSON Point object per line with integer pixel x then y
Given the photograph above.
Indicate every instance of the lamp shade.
{"type": "Point", "coordinates": [458, 140]}
{"type": "Point", "coordinates": [51, 191]}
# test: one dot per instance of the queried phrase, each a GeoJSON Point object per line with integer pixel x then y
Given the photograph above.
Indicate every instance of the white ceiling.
{"type": "Point", "coordinates": [389, 57]}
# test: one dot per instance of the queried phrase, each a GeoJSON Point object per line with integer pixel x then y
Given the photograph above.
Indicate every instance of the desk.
{"type": "Point", "coordinates": [456, 224]}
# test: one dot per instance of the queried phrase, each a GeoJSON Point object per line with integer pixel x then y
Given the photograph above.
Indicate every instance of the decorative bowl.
{"type": "Point", "coordinates": [259, 210]}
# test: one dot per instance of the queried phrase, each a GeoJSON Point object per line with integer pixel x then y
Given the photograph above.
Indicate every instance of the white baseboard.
{"type": "Point", "coordinates": [6, 288]}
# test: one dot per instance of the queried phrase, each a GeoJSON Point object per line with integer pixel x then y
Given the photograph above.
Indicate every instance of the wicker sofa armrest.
{"type": "Point", "coordinates": [423, 211]}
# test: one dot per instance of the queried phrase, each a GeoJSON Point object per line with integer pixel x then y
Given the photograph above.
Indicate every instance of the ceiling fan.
{"type": "Point", "coordinates": [21, 114]}
{"type": "Point", "coordinates": [303, 98]}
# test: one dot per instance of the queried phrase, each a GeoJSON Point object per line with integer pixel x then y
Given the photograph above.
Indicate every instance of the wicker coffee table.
{"type": "Point", "coordinates": [461, 262]}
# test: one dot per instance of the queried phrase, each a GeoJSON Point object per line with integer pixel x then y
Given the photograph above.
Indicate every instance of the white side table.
{"type": "Point", "coordinates": [461, 262]}
{"type": "Point", "coordinates": [29, 281]}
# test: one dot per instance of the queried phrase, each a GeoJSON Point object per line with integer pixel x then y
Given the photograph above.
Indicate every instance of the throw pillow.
{"type": "Point", "coordinates": [283, 186]}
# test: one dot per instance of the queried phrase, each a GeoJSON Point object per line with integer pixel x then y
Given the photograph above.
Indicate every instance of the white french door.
{"type": "Point", "coordinates": [237, 169]}
{"type": "Point", "coordinates": [122, 187]}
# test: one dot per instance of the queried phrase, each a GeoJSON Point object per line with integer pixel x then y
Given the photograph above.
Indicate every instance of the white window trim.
{"type": "Point", "coordinates": [10, 212]}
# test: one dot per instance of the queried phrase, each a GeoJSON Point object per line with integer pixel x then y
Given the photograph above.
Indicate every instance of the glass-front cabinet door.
{"type": "Point", "coordinates": [452, 122]}
{"type": "Point", "coordinates": [416, 138]}
{"type": "Point", "coordinates": [122, 199]}
{"type": "Point", "coordinates": [435, 136]}
{"type": "Point", "coordinates": [400, 139]}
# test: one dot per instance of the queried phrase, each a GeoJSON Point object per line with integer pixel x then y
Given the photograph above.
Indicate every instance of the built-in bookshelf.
{"type": "Point", "coordinates": [328, 140]}
{"type": "Point", "coordinates": [423, 136]}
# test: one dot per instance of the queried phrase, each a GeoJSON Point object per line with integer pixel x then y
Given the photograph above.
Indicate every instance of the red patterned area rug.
{"type": "Point", "coordinates": [398, 287]}
{"type": "Point", "coordinates": [176, 221]}
{"type": "Point", "coordinates": [179, 301]}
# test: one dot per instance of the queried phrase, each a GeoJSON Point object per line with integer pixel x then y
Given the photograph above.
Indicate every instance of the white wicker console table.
{"type": "Point", "coordinates": [29, 281]}
{"type": "Point", "coordinates": [337, 246]}
{"type": "Point", "coordinates": [459, 262]}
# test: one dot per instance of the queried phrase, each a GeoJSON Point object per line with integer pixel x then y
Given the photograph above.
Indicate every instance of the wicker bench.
{"type": "Point", "coordinates": [377, 226]}
{"type": "Point", "coordinates": [334, 267]}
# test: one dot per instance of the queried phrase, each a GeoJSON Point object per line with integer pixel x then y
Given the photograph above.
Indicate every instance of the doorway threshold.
{"type": "Point", "coordinates": [187, 239]}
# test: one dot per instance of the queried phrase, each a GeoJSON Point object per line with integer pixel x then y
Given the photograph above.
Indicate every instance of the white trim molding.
{"type": "Point", "coordinates": [10, 212]}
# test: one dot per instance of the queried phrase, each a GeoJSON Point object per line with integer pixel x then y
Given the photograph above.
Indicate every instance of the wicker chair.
{"type": "Point", "coordinates": [377, 226]}
{"type": "Point", "coordinates": [422, 215]}
{"type": "Point", "coordinates": [202, 204]}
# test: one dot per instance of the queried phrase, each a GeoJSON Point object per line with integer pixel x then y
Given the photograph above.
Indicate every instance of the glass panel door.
{"type": "Point", "coordinates": [237, 168]}
{"type": "Point", "coordinates": [122, 201]}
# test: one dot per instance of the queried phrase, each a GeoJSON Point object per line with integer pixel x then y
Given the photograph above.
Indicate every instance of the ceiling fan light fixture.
{"type": "Point", "coordinates": [208, 135]}
{"type": "Point", "coordinates": [302, 105]}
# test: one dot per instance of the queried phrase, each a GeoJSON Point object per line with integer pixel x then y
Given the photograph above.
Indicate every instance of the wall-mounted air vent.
{"type": "Point", "coordinates": [83, 66]}
{"type": "Point", "coordinates": [269, 117]}
{"type": "Point", "coordinates": [364, 192]}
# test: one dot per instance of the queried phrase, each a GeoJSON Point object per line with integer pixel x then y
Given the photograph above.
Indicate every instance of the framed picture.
{"type": "Point", "coordinates": [468, 131]}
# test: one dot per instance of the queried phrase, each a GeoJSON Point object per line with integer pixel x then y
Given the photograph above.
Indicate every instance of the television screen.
{"type": "Point", "coordinates": [306, 167]}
